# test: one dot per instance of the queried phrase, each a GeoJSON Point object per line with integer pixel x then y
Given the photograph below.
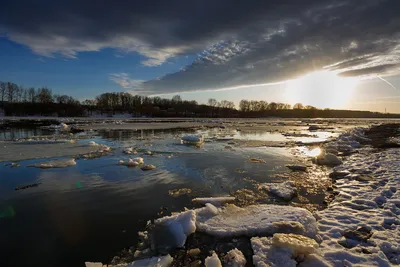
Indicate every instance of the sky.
{"type": "Point", "coordinates": [326, 53]}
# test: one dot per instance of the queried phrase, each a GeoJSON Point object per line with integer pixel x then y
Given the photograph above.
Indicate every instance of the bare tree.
{"type": "Point", "coordinates": [212, 102]}
{"type": "Point", "coordinates": [176, 99]}
{"type": "Point", "coordinates": [244, 105]}
{"type": "Point", "coordinates": [44, 95]}
{"type": "Point", "coordinates": [298, 106]}
{"type": "Point", "coordinates": [32, 95]}
{"type": "Point", "coordinates": [3, 91]}
{"type": "Point", "coordinates": [11, 91]}
{"type": "Point", "coordinates": [272, 106]}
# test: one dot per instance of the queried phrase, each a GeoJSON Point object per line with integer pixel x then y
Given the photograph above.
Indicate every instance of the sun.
{"type": "Point", "coordinates": [322, 89]}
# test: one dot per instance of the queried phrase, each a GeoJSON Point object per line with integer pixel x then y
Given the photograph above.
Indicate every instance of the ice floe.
{"type": "Point", "coordinates": [179, 226]}
{"type": "Point", "coordinates": [62, 163]}
{"type": "Point", "coordinates": [148, 167]}
{"type": "Point", "coordinates": [232, 221]}
{"type": "Point", "coordinates": [192, 139]}
{"type": "Point", "coordinates": [132, 162]}
{"type": "Point", "coordinates": [130, 150]}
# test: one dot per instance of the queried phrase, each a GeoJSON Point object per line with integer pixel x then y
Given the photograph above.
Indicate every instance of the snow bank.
{"type": "Point", "coordinates": [286, 190]}
{"type": "Point", "coordinates": [255, 220]}
{"type": "Point", "coordinates": [161, 261]}
{"type": "Point", "coordinates": [361, 227]}
{"type": "Point", "coordinates": [180, 225]}
{"type": "Point", "coordinates": [217, 201]}
{"type": "Point", "coordinates": [63, 163]}
{"type": "Point", "coordinates": [234, 258]}
{"type": "Point", "coordinates": [213, 261]}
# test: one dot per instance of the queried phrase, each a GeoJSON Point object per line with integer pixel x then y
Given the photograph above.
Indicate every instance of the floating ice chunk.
{"type": "Point", "coordinates": [63, 163]}
{"type": "Point", "coordinates": [234, 258]}
{"type": "Point", "coordinates": [132, 162]}
{"type": "Point", "coordinates": [298, 243]}
{"type": "Point", "coordinates": [256, 220]}
{"type": "Point", "coordinates": [180, 225]}
{"type": "Point", "coordinates": [148, 167]}
{"type": "Point", "coordinates": [130, 150]}
{"type": "Point", "coordinates": [217, 201]}
{"type": "Point", "coordinates": [129, 163]}
{"type": "Point", "coordinates": [93, 143]}
{"type": "Point", "coordinates": [139, 160]}
{"type": "Point", "coordinates": [161, 261]}
{"type": "Point", "coordinates": [213, 261]}
{"type": "Point", "coordinates": [286, 190]}
{"type": "Point", "coordinates": [63, 126]}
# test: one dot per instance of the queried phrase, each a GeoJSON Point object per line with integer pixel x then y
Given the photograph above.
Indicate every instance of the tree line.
{"type": "Point", "coordinates": [18, 101]}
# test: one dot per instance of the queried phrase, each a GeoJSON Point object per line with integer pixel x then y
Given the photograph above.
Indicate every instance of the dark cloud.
{"type": "Point", "coordinates": [241, 42]}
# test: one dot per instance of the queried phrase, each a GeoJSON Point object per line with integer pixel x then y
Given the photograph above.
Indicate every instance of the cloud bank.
{"type": "Point", "coordinates": [240, 42]}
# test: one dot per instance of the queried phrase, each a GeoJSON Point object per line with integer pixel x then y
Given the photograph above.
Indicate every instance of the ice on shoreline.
{"type": "Point", "coordinates": [361, 226]}
{"type": "Point", "coordinates": [286, 250]}
{"type": "Point", "coordinates": [180, 226]}
{"type": "Point", "coordinates": [232, 221]}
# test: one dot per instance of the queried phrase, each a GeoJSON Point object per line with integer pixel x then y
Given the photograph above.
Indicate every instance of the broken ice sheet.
{"type": "Point", "coordinates": [255, 220]}
{"type": "Point", "coordinates": [62, 163]}
{"type": "Point", "coordinates": [170, 232]}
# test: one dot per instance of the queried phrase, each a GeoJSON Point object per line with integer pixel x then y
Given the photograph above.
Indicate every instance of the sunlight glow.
{"type": "Point", "coordinates": [322, 89]}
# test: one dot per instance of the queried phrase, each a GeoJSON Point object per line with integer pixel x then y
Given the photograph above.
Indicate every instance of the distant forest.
{"type": "Point", "coordinates": [18, 101]}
